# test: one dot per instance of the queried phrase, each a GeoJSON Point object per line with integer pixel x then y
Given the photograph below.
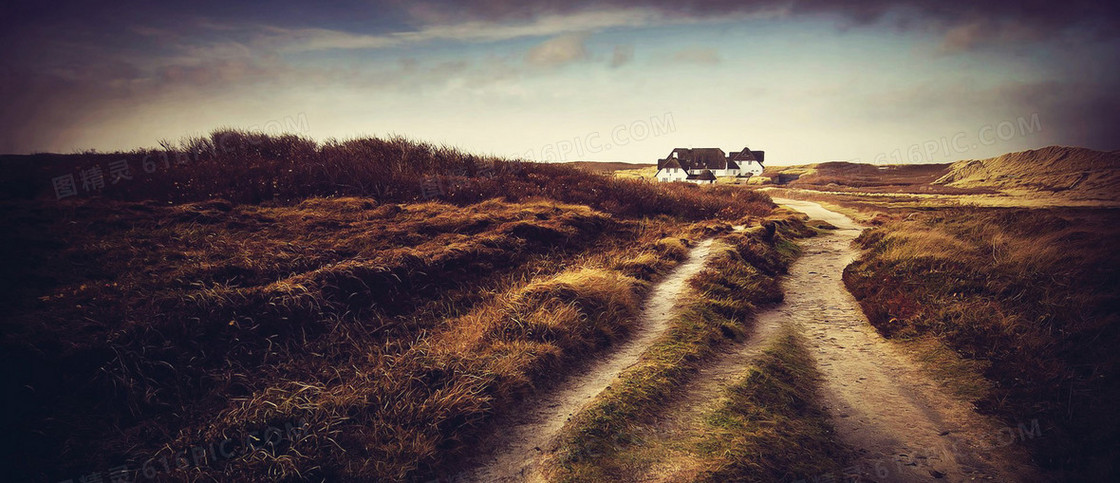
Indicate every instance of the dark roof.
{"type": "Point", "coordinates": [707, 175]}
{"type": "Point", "coordinates": [709, 158]}
{"type": "Point", "coordinates": [699, 158]}
{"type": "Point", "coordinates": [745, 155]}
{"type": "Point", "coordinates": [667, 163]}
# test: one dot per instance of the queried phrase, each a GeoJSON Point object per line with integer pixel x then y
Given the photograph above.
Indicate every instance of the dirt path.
{"type": "Point", "coordinates": [682, 423]}
{"type": "Point", "coordinates": [523, 437]}
{"type": "Point", "coordinates": [902, 424]}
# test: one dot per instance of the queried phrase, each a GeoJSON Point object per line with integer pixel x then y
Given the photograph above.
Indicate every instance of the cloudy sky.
{"type": "Point", "coordinates": [626, 80]}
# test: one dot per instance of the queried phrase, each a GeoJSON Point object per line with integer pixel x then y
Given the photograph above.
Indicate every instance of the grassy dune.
{"type": "Point", "coordinates": [841, 175]}
{"type": "Point", "coordinates": [1077, 173]}
{"type": "Point", "coordinates": [276, 308]}
{"type": "Point", "coordinates": [1051, 176]}
{"type": "Point", "coordinates": [1030, 298]}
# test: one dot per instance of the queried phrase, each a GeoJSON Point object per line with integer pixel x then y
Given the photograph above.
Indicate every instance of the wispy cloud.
{"type": "Point", "coordinates": [965, 23]}
{"type": "Point", "coordinates": [315, 39]}
{"type": "Point", "coordinates": [561, 50]}
{"type": "Point", "coordinates": [697, 55]}
{"type": "Point", "coordinates": [972, 35]}
{"type": "Point", "coordinates": [622, 55]}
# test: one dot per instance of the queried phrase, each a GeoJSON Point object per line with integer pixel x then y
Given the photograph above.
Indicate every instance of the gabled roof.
{"type": "Point", "coordinates": [668, 163]}
{"type": "Point", "coordinates": [699, 158]}
{"type": "Point", "coordinates": [746, 155]}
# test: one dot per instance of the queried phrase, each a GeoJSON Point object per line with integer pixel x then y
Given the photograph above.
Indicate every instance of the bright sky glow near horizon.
{"type": "Point", "coordinates": [622, 80]}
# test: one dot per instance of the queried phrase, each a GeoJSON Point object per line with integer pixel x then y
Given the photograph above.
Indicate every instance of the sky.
{"type": "Point", "coordinates": [909, 81]}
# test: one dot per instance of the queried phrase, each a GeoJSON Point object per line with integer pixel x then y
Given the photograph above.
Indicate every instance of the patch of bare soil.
{"type": "Point", "coordinates": [513, 452]}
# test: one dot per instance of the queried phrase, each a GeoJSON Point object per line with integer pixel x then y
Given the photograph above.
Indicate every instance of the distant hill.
{"type": "Point", "coordinates": [607, 166]}
{"type": "Point", "coordinates": [1076, 173]}
{"type": "Point", "coordinates": [859, 175]}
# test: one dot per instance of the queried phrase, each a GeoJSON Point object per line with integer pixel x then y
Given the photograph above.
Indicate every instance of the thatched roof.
{"type": "Point", "coordinates": [700, 158]}
{"type": "Point", "coordinates": [746, 155]}
{"type": "Point", "coordinates": [668, 163]}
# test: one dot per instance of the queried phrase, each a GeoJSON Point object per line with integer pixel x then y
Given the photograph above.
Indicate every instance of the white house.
{"type": "Point", "coordinates": [749, 162]}
{"type": "Point", "coordinates": [704, 165]}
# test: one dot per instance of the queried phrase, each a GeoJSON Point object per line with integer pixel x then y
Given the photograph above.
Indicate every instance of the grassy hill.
{"type": "Point", "coordinates": [1055, 172]}
{"type": "Point", "coordinates": [1077, 173]}
{"type": "Point", "coordinates": [859, 175]}
{"type": "Point", "coordinates": [247, 307]}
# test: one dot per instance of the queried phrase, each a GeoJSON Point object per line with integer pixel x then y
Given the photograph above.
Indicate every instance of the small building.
{"type": "Point", "coordinates": [704, 165]}
{"type": "Point", "coordinates": [749, 162]}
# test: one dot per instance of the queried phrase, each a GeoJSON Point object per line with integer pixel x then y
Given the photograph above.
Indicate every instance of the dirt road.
{"type": "Point", "coordinates": [900, 423]}
{"type": "Point", "coordinates": [523, 437]}
{"type": "Point", "coordinates": [903, 425]}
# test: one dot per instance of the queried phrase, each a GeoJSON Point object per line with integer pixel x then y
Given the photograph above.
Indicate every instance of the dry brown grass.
{"type": "Point", "coordinates": [386, 328]}
{"type": "Point", "coordinates": [1066, 172]}
{"type": "Point", "coordinates": [406, 411]}
{"type": "Point", "coordinates": [244, 167]}
{"type": "Point", "coordinates": [1031, 296]}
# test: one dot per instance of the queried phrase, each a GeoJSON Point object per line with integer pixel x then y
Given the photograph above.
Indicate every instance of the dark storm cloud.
{"type": "Point", "coordinates": [65, 60]}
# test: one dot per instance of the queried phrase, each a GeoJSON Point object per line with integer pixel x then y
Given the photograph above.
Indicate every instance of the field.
{"type": "Point", "coordinates": [258, 308]}
{"type": "Point", "coordinates": [170, 323]}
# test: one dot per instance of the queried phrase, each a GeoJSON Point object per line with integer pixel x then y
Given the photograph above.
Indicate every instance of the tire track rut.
{"type": "Point", "coordinates": [527, 433]}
